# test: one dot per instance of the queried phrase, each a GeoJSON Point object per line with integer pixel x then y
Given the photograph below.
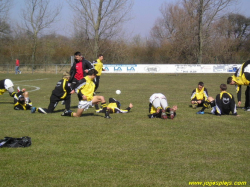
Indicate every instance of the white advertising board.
{"type": "Point", "coordinates": [170, 68]}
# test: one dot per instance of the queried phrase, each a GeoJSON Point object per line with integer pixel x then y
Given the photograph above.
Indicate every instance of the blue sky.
{"type": "Point", "coordinates": [144, 13]}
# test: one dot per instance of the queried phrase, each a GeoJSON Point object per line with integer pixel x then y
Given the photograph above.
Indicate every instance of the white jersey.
{"type": "Point", "coordinates": [156, 95]}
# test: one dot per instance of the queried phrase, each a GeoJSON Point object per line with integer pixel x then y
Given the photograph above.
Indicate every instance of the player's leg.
{"type": "Point", "coordinates": [8, 84]}
{"type": "Point", "coordinates": [157, 104]}
{"type": "Point", "coordinates": [78, 112]}
{"type": "Point", "coordinates": [247, 99]}
{"type": "Point", "coordinates": [53, 103]}
{"type": "Point", "coordinates": [67, 102]}
{"type": "Point", "coordinates": [97, 80]}
{"type": "Point", "coordinates": [164, 106]}
{"type": "Point", "coordinates": [101, 99]}
{"type": "Point", "coordinates": [210, 102]}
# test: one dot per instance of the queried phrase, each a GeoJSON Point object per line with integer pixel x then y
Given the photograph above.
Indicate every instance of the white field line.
{"type": "Point", "coordinates": [36, 88]}
{"type": "Point", "coordinates": [31, 80]}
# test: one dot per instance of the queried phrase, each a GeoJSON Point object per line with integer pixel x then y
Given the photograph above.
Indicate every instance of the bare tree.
{"type": "Point", "coordinates": [4, 9]}
{"type": "Point", "coordinates": [188, 24]}
{"type": "Point", "coordinates": [207, 10]}
{"type": "Point", "coordinates": [100, 19]}
{"type": "Point", "coordinates": [38, 15]}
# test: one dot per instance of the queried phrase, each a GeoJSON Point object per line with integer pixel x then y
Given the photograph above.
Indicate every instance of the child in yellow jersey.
{"type": "Point", "coordinates": [85, 92]}
{"type": "Point", "coordinates": [199, 95]}
{"type": "Point", "coordinates": [22, 101]}
{"type": "Point", "coordinates": [99, 67]}
{"type": "Point", "coordinates": [114, 107]}
{"type": "Point", "coordinates": [222, 105]}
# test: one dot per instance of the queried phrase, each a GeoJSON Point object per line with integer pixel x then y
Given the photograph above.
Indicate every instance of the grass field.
{"type": "Point", "coordinates": [129, 149]}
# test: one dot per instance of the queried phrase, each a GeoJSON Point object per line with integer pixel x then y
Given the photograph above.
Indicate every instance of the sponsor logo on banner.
{"type": "Point", "coordinates": [219, 68]}
{"type": "Point", "coordinates": [106, 68]}
{"type": "Point", "coordinates": [130, 69]}
{"type": "Point", "coordinates": [152, 68]}
{"type": "Point", "coordinates": [117, 69]}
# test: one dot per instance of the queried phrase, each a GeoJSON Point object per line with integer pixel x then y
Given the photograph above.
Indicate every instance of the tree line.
{"type": "Point", "coordinates": [187, 32]}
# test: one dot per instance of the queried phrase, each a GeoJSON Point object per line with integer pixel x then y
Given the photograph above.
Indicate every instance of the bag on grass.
{"type": "Point", "coordinates": [15, 142]}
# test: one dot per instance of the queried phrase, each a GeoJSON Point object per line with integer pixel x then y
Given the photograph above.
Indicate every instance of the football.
{"type": "Point", "coordinates": [118, 92]}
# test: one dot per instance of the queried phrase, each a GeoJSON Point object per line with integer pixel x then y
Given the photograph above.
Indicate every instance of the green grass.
{"type": "Point", "coordinates": [129, 149]}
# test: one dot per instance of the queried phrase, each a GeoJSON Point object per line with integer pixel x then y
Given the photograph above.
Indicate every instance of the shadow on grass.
{"type": "Point", "coordinates": [6, 103]}
{"type": "Point", "coordinates": [91, 114]}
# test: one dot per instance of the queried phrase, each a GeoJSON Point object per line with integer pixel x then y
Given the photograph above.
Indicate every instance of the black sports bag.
{"type": "Point", "coordinates": [15, 142]}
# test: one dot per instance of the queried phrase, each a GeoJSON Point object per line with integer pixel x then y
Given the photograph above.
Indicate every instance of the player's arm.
{"type": "Point", "coordinates": [80, 86]}
{"type": "Point", "coordinates": [238, 91]}
{"type": "Point", "coordinates": [88, 66]}
{"type": "Point", "coordinates": [193, 95]}
{"type": "Point", "coordinates": [233, 106]}
{"type": "Point", "coordinates": [118, 110]}
{"type": "Point", "coordinates": [67, 87]}
{"type": "Point", "coordinates": [205, 94]}
{"type": "Point", "coordinates": [72, 72]}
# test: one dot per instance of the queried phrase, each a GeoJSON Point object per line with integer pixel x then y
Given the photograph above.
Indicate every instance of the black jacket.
{"type": "Point", "coordinates": [62, 89]}
{"type": "Point", "coordinates": [85, 65]}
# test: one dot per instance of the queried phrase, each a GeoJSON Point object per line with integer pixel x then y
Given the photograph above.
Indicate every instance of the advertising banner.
{"type": "Point", "coordinates": [170, 68]}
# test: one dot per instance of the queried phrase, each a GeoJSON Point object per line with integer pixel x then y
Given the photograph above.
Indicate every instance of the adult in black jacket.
{"type": "Point", "coordinates": [79, 69]}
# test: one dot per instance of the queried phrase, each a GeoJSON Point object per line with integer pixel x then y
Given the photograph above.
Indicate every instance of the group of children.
{"type": "Point", "coordinates": [224, 102]}
{"type": "Point", "coordinates": [82, 81]}
{"type": "Point", "coordinates": [222, 105]}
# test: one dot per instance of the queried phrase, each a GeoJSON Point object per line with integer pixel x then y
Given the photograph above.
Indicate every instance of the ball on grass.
{"type": "Point", "coordinates": [118, 92]}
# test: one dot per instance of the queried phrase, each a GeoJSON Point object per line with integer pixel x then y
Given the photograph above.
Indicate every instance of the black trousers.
{"type": "Point", "coordinates": [97, 81]}
{"type": "Point", "coordinates": [247, 99]}
{"type": "Point", "coordinates": [54, 101]}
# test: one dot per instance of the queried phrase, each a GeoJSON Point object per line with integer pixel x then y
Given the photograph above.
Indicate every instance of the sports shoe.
{"type": "Point", "coordinates": [108, 117]}
{"type": "Point", "coordinates": [247, 109]}
{"type": "Point", "coordinates": [164, 115]}
{"type": "Point", "coordinates": [194, 106]}
{"type": "Point", "coordinates": [98, 111]}
{"type": "Point", "coordinates": [151, 116]}
{"type": "Point", "coordinates": [41, 110]}
{"type": "Point", "coordinates": [18, 89]}
{"type": "Point", "coordinates": [20, 72]}
{"type": "Point", "coordinates": [171, 114]}
{"type": "Point", "coordinates": [66, 113]}
{"type": "Point", "coordinates": [200, 112]}
{"type": "Point", "coordinates": [33, 109]}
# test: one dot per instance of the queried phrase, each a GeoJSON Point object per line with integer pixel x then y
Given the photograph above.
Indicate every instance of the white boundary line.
{"type": "Point", "coordinates": [36, 88]}
{"type": "Point", "coordinates": [31, 80]}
